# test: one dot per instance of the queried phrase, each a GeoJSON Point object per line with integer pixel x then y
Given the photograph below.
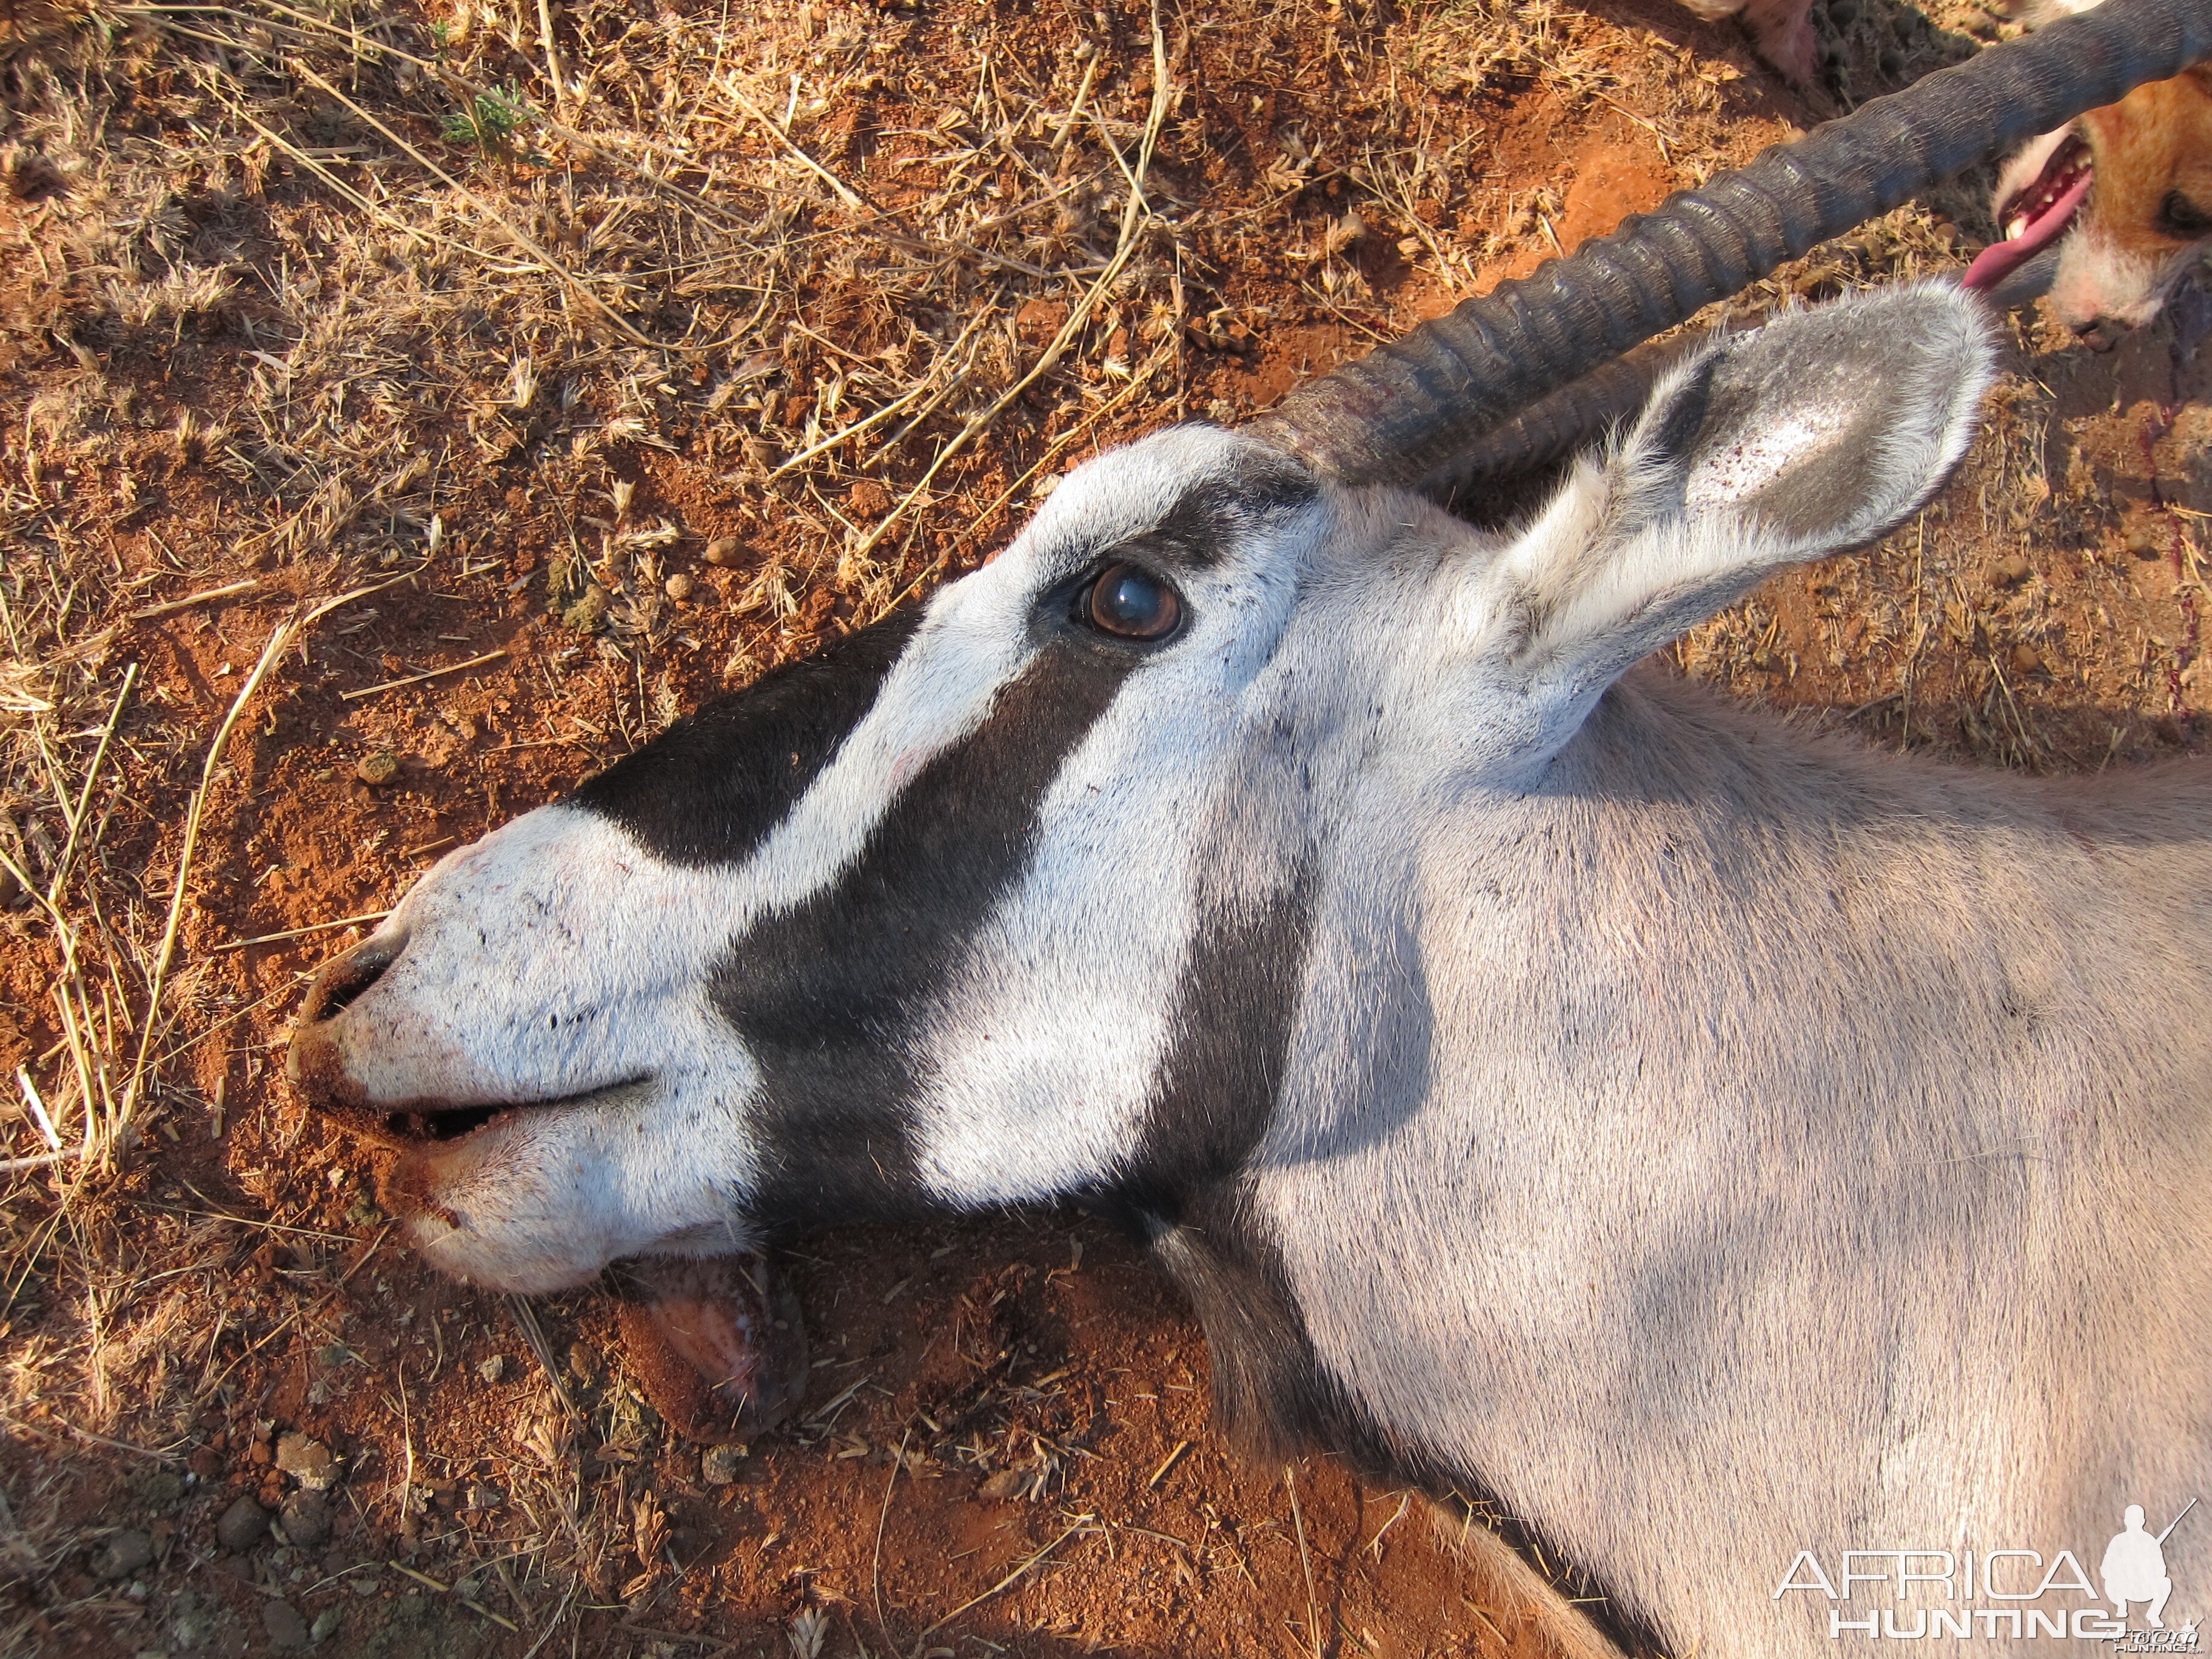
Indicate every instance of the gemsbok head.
{"type": "Point", "coordinates": [1713, 1143]}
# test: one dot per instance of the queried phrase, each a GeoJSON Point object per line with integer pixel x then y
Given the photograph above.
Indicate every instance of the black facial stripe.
{"type": "Point", "coordinates": [710, 789]}
{"type": "Point", "coordinates": [1207, 517]}
{"type": "Point", "coordinates": [829, 995]}
{"type": "Point", "coordinates": [1218, 1087]}
{"type": "Point", "coordinates": [1275, 1400]}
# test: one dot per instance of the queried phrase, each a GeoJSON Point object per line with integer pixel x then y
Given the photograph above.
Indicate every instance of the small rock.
{"type": "Point", "coordinates": [2012, 567]}
{"type": "Point", "coordinates": [308, 1462]}
{"type": "Point", "coordinates": [724, 553]}
{"type": "Point", "coordinates": [241, 1527]}
{"type": "Point", "coordinates": [869, 499]}
{"type": "Point", "coordinates": [2026, 659]}
{"type": "Point", "coordinates": [493, 1369]}
{"type": "Point", "coordinates": [205, 1462]}
{"type": "Point", "coordinates": [378, 769]}
{"type": "Point", "coordinates": [718, 1465]}
{"type": "Point", "coordinates": [192, 1625]}
{"type": "Point", "coordinates": [678, 586]}
{"type": "Point", "coordinates": [123, 1554]}
{"type": "Point", "coordinates": [306, 1518]}
{"type": "Point", "coordinates": [161, 1489]}
{"type": "Point", "coordinates": [286, 1628]}
{"type": "Point", "coordinates": [327, 1624]}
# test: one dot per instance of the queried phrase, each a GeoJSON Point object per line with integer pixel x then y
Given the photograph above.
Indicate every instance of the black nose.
{"type": "Point", "coordinates": [345, 978]}
{"type": "Point", "coordinates": [2101, 333]}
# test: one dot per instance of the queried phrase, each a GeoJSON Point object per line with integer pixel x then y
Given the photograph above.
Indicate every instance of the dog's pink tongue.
{"type": "Point", "coordinates": [716, 1344]}
{"type": "Point", "coordinates": [2000, 259]}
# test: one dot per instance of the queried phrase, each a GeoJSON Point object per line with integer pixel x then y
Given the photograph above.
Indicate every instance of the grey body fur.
{"type": "Point", "coordinates": [1835, 1131]}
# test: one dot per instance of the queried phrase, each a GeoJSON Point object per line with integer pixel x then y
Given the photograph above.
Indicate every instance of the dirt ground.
{"type": "Point", "coordinates": [595, 359]}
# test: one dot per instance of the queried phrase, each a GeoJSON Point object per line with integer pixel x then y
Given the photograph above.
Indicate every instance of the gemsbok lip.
{"type": "Point", "coordinates": [417, 1123]}
{"type": "Point", "coordinates": [318, 1074]}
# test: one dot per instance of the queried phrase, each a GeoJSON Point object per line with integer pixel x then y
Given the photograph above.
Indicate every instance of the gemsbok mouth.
{"type": "Point", "coordinates": [2038, 214]}
{"type": "Point", "coordinates": [451, 1123]}
{"type": "Point", "coordinates": [438, 1123]}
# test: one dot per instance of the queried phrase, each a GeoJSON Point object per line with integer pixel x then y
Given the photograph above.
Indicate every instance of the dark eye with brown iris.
{"type": "Point", "coordinates": [1130, 602]}
{"type": "Point", "coordinates": [2182, 219]}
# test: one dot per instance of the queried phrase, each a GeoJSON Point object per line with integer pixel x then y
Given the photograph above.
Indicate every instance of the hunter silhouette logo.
{"type": "Point", "coordinates": [2133, 1568]}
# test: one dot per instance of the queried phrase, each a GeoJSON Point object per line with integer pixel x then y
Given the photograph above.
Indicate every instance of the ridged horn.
{"type": "Point", "coordinates": [1559, 424]}
{"type": "Point", "coordinates": [1397, 414]}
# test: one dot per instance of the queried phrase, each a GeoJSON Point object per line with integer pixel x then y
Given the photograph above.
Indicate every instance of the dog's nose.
{"type": "Point", "coordinates": [2101, 333]}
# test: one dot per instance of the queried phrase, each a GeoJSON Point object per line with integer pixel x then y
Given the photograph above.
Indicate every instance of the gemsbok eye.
{"type": "Point", "coordinates": [1130, 602]}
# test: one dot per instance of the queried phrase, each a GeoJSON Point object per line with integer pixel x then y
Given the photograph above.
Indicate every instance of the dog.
{"type": "Point", "coordinates": [2126, 191]}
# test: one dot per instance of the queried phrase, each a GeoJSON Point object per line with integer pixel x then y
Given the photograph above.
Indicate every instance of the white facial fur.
{"type": "Point", "coordinates": [513, 988]}
{"type": "Point", "coordinates": [2098, 280]}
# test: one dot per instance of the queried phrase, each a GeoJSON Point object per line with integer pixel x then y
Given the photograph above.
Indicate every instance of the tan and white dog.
{"type": "Point", "coordinates": [2128, 187]}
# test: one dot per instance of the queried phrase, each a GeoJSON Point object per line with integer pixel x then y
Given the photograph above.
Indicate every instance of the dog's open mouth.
{"type": "Point", "coordinates": [2037, 215]}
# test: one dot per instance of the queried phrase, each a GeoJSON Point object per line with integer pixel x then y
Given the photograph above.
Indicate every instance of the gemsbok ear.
{"type": "Point", "coordinates": [1822, 431]}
